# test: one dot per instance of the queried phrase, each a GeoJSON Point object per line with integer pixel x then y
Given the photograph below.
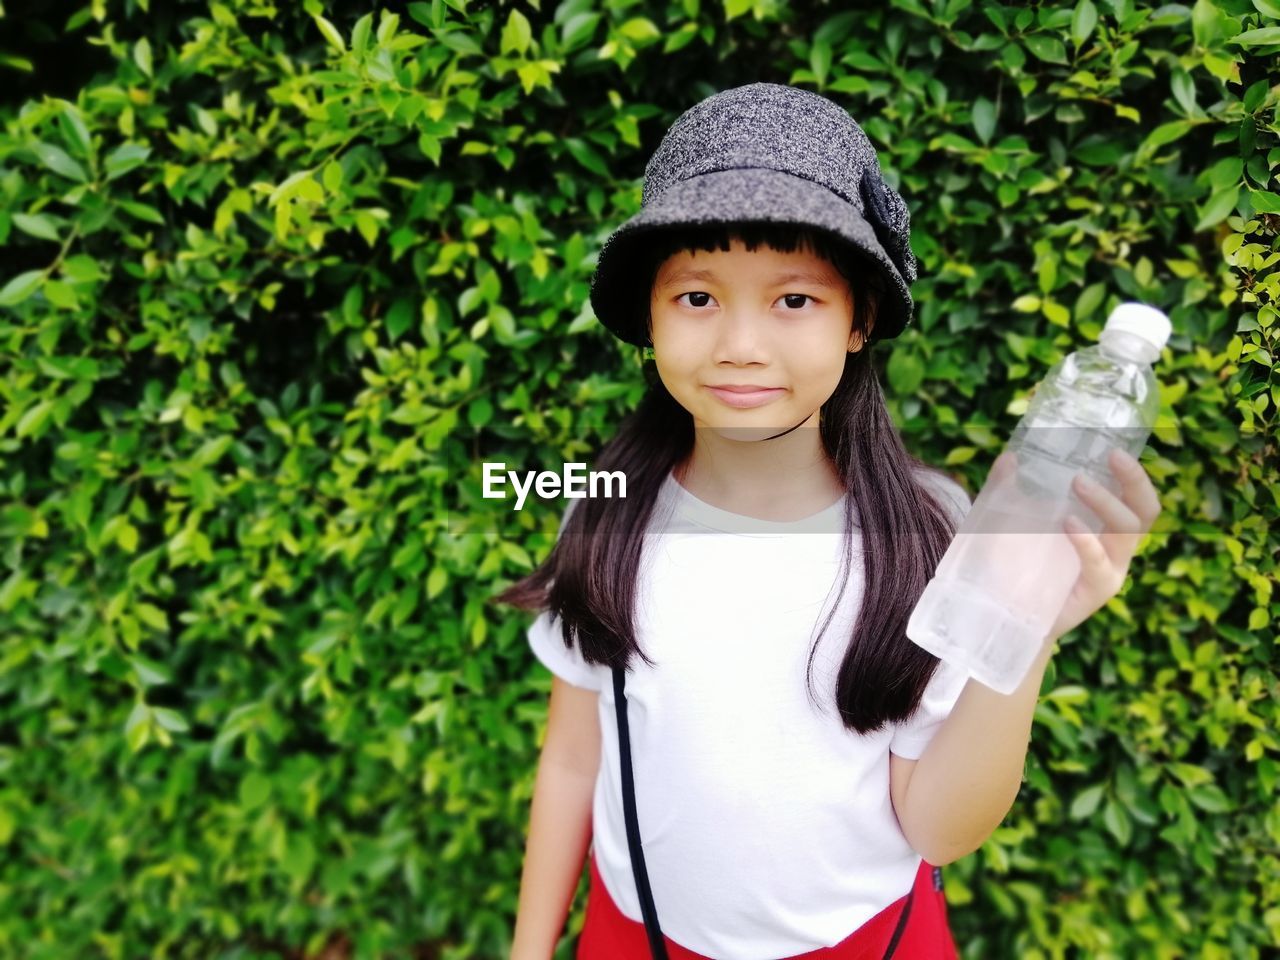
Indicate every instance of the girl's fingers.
{"type": "Point", "coordinates": [1098, 570]}
{"type": "Point", "coordinates": [1139, 494]}
{"type": "Point", "coordinates": [1115, 512]}
{"type": "Point", "coordinates": [1123, 527]}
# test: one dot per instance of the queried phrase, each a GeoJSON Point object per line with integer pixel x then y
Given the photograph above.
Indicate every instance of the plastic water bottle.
{"type": "Point", "coordinates": [1007, 574]}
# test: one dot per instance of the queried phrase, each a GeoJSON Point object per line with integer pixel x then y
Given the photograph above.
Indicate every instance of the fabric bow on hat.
{"type": "Point", "coordinates": [887, 214]}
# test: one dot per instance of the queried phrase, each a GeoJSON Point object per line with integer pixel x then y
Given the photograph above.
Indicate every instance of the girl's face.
{"type": "Point", "coordinates": [751, 318]}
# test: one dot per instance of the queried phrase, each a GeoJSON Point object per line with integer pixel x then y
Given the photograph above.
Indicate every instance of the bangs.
{"type": "Point", "coordinates": [783, 237]}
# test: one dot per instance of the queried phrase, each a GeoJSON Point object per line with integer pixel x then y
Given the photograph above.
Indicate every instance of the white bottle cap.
{"type": "Point", "coordinates": [1147, 322]}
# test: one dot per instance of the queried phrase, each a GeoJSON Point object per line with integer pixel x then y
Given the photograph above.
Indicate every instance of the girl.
{"type": "Point", "coordinates": [742, 784]}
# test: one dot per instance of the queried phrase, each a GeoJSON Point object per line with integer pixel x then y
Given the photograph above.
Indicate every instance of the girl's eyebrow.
{"type": "Point", "coordinates": [787, 276]}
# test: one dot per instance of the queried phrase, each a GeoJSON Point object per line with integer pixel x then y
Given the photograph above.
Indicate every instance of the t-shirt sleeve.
{"type": "Point", "coordinates": [565, 662]}
{"type": "Point", "coordinates": [913, 735]}
{"type": "Point", "coordinates": [953, 497]}
{"type": "Point", "coordinates": [940, 696]}
{"type": "Point", "coordinates": [548, 644]}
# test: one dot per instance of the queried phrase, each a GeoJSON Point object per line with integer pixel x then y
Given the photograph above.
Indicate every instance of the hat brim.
{"type": "Point", "coordinates": [736, 196]}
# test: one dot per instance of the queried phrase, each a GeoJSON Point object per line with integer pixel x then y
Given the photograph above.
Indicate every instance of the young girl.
{"type": "Point", "coordinates": [752, 589]}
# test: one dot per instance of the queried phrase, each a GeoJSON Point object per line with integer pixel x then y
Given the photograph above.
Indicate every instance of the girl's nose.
{"type": "Point", "coordinates": [739, 338]}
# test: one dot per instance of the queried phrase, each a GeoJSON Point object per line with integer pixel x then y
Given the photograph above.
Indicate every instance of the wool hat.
{"type": "Point", "coordinates": [762, 152]}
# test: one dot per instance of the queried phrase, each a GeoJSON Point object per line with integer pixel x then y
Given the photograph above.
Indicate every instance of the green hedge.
{"type": "Point", "coordinates": [272, 272]}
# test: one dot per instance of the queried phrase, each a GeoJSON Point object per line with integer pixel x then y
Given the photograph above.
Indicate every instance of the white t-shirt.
{"type": "Point", "coordinates": [768, 828]}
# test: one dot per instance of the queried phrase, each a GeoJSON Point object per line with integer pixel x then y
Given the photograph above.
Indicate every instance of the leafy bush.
{"type": "Point", "coordinates": [274, 275]}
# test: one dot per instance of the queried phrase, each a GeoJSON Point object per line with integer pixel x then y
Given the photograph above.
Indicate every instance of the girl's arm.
{"type": "Point", "coordinates": [560, 820]}
{"type": "Point", "coordinates": [968, 777]}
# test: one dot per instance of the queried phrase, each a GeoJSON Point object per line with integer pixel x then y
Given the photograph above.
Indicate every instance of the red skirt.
{"type": "Point", "coordinates": [609, 935]}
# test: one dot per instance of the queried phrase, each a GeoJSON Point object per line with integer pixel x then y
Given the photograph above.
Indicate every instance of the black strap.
{"type": "Point", "coordinates": [657, 947]}
{"type": "Point", "coordinates": [902, 925]}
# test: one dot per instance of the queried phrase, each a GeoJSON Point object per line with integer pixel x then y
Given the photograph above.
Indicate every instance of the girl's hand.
{"type": "Point", "coordinates": [1105, 556]}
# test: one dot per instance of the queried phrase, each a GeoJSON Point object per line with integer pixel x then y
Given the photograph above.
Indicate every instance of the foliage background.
{"type": "Point", "coordinates": [269, 269]}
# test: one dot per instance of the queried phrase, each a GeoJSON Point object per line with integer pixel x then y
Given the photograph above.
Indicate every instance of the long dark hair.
{"type": "Point", "coordinates": [589, 578]}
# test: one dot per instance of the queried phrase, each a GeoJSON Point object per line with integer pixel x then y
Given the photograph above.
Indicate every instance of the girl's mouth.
{"type": "Point", "coordinates": [745, 398]}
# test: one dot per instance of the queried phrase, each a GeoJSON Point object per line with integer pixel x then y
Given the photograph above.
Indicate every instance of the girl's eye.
{"type": "Point", "coordinates": [790, 298]}
{"type": "Point", "coordinates": [694, 293]}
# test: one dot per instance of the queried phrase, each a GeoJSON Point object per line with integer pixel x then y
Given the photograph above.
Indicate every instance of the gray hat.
{"type": "Point", "coordinates": [763, 152]}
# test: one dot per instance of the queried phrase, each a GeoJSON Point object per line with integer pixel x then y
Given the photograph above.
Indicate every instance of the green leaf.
{"type": "Point", "coordinates": [585, 155]}
{"type": "Point", "coordinates": [81, 268]}
{"type": "Point", "coordinates": [152, 615]}
{"type": "Point", "coordinates": [366, 223]}
{"type": "Point", "coordinates": [906, 372]}
{"type": "Point", "coordinates": [578, 29]}
{"type": "Point", "coordinates": [360, 33]}
{"type": "Point", "coordinates": [124, 158]}
{"type": "Point", "coordinates": [61, 295]}
{"type": "Point", "coordinates": [479, 412]}
{"type": "Point", "coordinates": [1049, 49]}
{"type": "Point", "coordinates": [308, 189]}
{"type": "Point", "coordinates": [142, 211]}
{"type": "Point", "coordinates": [1255, 95]}
{"type": "Point", "coordinates": [170, 719]}
{"type": "Point", "coordinates": [437, 580]}
{"type": "Point", "coordinates": [1219, 206]}
{"type": "Point", "coordinates": [135, 728]}
{"type": "Point", "coordinates": [58, 160]}
{"type": "Point", "coordinates": [1257, 38]}
{"type": "Point", "coordinates": [387, 26]}
{"type": "Point", "coordinates": [1209, 797]}
{"type": "Point", "coordinates": [300, 857]}
{"type": "Point", "coordinates": [33, 420]}
{"type": "Point", "coordinates": [1083, 20]}
{"type": "Point", "coordinates": [1055, 313]}
{"type": "Point", "coordinates": [1117, 822]}
{"type": "Point", "coordinates": [1090, 300]}
{"type": "Point", "coordinates": [517, 34]}
{"type": "Point", "coordinates": [287, 187]}
{"type": "Point", "coordinates": [1190, 774]}
{"type": "Point", "coordinates": [142, 55]}
{"type": "Point", "coordinates": [820, 61]}
{"type": "Point", "coordinates": [1086, 802]}
{"type": "Point", "coordinates": [36, 224]}
{"type": "Point", "coordinates": [330, 33]}
{"type": "Point", "coordinates": [1184, 91]}
{"type": "Point", "coordinates": [1225, 173]}
{"type": "Point", "coordinates": [150, 672]}
{"type": "Point", "coordinates": [1264, 201]}
{"type": "Point", "coordinates": [640, 30]}
{"type": "Point", "coordinates": [74, 129]}
{"type": "Point", "coordinates": [1165, 133]}
{"type": "Point", "coordinates": [332, 176]}
{"type": "Point", "coordinates": [399, 318]}
{"type": "Point", "coordinates": [1207, 23]}
{"type": "Point", "coordinates": [984, 118]}
{"type": "Point", "coordinates": [127, 533]}
{"type": "Point", "coordinates": [21, 287]}
{"type": "Point", "coordinates": [255, 789]}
